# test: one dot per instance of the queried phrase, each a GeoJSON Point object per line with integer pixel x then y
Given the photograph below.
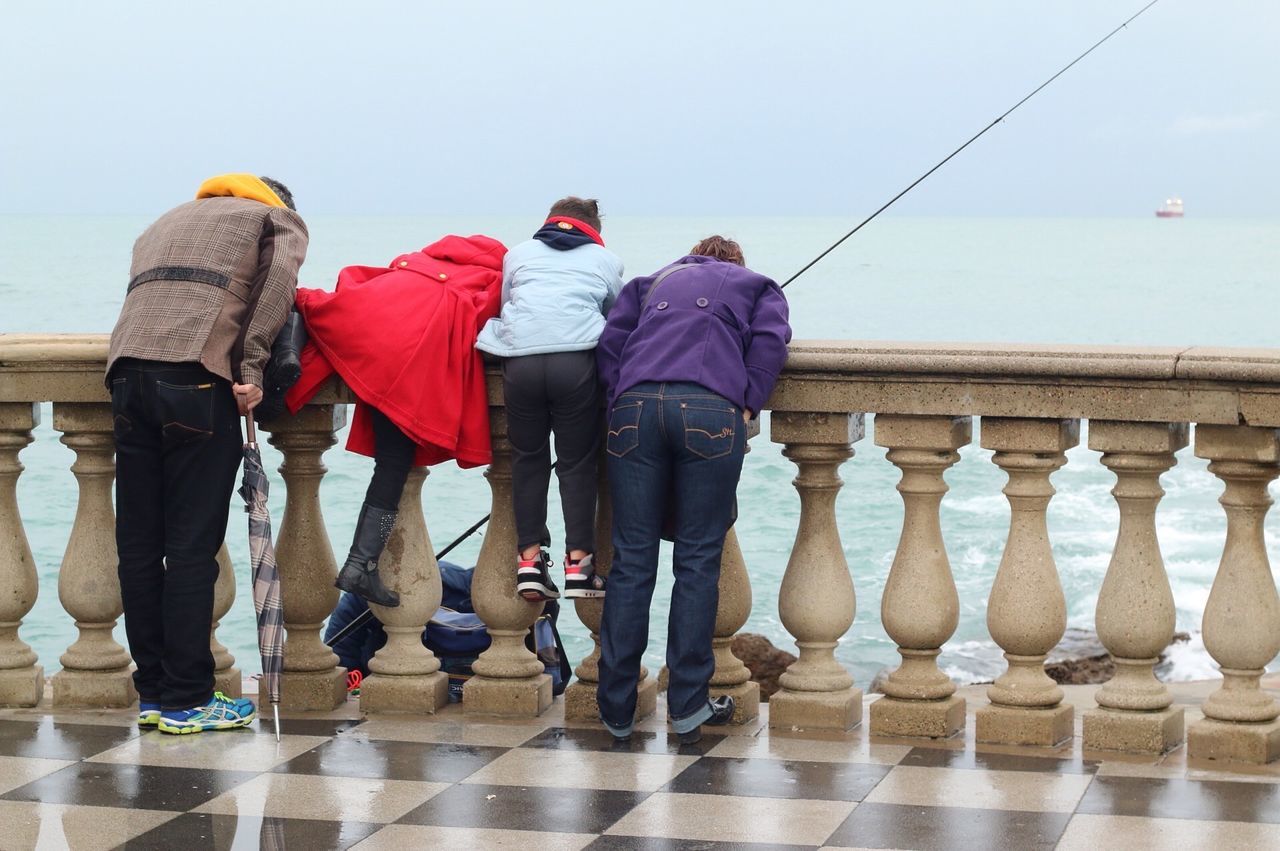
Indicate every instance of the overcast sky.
{"type": "Point", "coordinates": [657, 107]}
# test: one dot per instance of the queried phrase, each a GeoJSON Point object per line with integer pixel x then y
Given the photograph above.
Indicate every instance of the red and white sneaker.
{"type": "Point", "coordinates": [533, 579]}
{"type": "Point", "coordinates": [581, 579]}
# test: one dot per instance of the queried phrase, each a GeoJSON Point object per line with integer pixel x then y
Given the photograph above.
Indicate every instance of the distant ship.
{"type": "Point", "coordinates": [1172, 209]}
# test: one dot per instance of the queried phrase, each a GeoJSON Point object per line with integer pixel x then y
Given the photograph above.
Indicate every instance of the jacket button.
{"type": "Point", "coordinates": [443, 276]}
{"type": "Point", "coordinates": [662, 305]}
{"type": "Point", "coordinates": [404, 263]}
{"type": "Point", "coordinates": [702, 302]}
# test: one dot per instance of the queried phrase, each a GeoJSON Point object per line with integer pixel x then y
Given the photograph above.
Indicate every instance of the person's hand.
{"type": "Point", "coordinates": [747, 415]}
{"type": "Point", "coordinates": [247, 397]}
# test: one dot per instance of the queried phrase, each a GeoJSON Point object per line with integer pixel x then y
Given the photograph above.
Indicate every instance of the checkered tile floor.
{"type": "Point", "coordinates": [92, 780]}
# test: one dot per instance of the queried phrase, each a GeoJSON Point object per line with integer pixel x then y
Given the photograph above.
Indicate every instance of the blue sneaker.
{"type": "Point", "coordinates": [220, 713]}
{"type": "Point", "coordinates": [148, 713]}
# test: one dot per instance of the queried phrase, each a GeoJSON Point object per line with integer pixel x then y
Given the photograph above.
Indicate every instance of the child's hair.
{"type": "Point", "coordinates": [720, 248]}
{"type": "Point", "coordinates": [586, 210]}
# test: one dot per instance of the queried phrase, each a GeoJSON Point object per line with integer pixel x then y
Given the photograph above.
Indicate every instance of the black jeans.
{"type": "Point", "coordinates": [553, 393]}
{"type": "Point", "coordinates": [178, 447]}
{"type": "Point", "coordinates": [679, 440]}
{"type": "Point", "coordinates": [393, 452]}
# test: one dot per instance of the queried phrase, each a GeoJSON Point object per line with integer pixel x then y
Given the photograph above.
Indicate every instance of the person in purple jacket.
{"type": "Point", "coordinates": [688, 356]}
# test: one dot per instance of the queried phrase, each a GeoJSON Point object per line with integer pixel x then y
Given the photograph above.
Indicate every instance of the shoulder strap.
{"type": "Point", "coordinates": [666, 273]}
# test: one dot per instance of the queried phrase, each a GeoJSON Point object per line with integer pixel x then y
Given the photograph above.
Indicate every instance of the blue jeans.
{"type": "Point", "coordinates": [680, 442]}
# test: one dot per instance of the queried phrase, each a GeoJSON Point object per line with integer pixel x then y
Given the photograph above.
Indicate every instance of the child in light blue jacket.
{"type": "Point", "coordinates": [557, 289]}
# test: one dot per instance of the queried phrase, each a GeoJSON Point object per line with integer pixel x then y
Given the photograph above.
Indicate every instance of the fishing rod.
{"type": "Point", "coordinates": [363, 618]}
{"type": "Point", "coordinates": [975, 138]}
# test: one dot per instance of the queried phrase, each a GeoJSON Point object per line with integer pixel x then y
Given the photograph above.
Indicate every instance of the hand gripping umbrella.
{"type": "Point", "coordinates": [254, 489]}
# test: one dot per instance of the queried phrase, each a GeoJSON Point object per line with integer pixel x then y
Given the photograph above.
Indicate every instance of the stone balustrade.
{"type": "Point", "coordinates": [1027, 403]}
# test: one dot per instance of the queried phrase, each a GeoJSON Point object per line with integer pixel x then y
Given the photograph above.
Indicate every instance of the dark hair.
{"type": "Point", "coordinates": [281, 190]}
{"type": "Point", "coordinates": [586, 210]}
{"type": "Point", "coordinates": [720, 248]}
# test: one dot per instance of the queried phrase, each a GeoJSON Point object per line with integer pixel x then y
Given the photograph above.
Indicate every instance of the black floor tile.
{"type": "Point", "coordinates": [525, 808]}
{"type": "Point", "coordinates": [304, 726]}
{"type": "Point", "coordinates": [198, 831]}
{"type": "Point", "coordinates": [655, 843]}
{"type": "Point", "coordinates": [143, 787]}
{"type": "Point", "coordinates": [49, 739]}
{"type": "Point", "coordinates": [773, 778]}
{"type": "Point", "coordinates": [928, 828]}
{"type": "Point", "coordinates": [1205, 800]}
{"type": "Point", "coordinates": [391, 760]}
{"type": "Point", "coordinates": [642, 741]}
{"type": "Point", "coordinates": [945, 758]}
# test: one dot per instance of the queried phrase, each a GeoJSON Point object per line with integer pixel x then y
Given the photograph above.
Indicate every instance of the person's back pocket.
{"type": "Point", "coordinates": [186, 411]}
{"type": "Point", "coordinates": [709, 428]}
{"type": "Point", "coordinates": [624, 427]}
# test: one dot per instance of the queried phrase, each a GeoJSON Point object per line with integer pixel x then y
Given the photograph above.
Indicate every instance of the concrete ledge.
{"type": "Point", "coordinates": [22, 686]}
{"type": "Point", "coordinates": [816, 710]}
{"type": "Point", "coordinates": [918, 719]}
{"type": "Point", "coordinates": [1234, 742]}
{"type": "Point", "coordinates": [1007, 725]}
{"type": "Point", "coordinates": [527, 697]}
{"type": "Point", "coordinates": [580, 700]}
{"type": "Point", "coordinates": [417, 694]}
{"type": "Point", "coordinates": [1134, 732]}
{"type": "Point", "coordinates": [230, 682]}
{"type": "Point", "coordinates": [311, 690]}
{"type": "Point", "coordinates": [94, 689]}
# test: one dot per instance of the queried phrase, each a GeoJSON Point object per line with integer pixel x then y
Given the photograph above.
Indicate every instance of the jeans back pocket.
{"type": "Point", "coordinates": [624, 427]}
{"type": "Point", "coordinates": [710, 429]}
{"type": "Point", "coordinates": [186, 411]}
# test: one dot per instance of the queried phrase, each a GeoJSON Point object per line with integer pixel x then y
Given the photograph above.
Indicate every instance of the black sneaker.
{"type": "Point", "coordinates": [533, 579]}
{"type": "Point", "coordinates": [584, 582]}
{"type": "Point", "coordinates": [721, 713]}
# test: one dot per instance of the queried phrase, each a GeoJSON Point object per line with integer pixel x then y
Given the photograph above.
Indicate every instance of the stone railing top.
{"type": "Point", "coordinates": [1186, 384]}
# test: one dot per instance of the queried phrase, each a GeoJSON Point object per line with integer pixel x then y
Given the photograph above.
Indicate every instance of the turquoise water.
{"type": "Point", "coordinates": [1122, 281]}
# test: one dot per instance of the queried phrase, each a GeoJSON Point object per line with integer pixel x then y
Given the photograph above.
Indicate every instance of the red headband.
{"type": "Point", "coordinates": [580, 225]}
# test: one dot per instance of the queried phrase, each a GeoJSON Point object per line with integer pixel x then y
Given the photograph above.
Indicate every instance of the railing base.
{"type": "Point", "coordinates": [311, 691]}
{"type": "Point", "coordinates": [418, 694]}
{"type": "Point", "coordinates": [230, 682]}
{"type": "Point", "coordinates": [94, 689]}
{"type": "Point", "coordinates": [1234, 741]}
{"type": "Point", "coordinates": [1009, 725]}
{"type": "Point", "coordinates": [746, 701]}
{"type": "Point", "coordinates": [580, 700]}
{"type": "Point", "coordinates": [816, 710]}
{"type": "Point", "coordinates": [526, 697]}
{"type": "Point", "coordinates": [22, 686]}
{"type": "Point", "coordinates": [918, 719]}
{"type": "Point", "coordinates": [1134, 732]}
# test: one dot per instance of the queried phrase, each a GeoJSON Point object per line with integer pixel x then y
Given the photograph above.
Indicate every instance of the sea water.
{"type": "Point", "coordinates": [1092, 281]}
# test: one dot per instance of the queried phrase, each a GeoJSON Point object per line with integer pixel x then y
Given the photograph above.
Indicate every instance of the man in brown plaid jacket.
{"type": "Point", "coordinates": [211, 284]}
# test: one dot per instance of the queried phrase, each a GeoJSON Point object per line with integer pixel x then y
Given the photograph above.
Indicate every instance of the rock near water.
{"type": "Point", "coordinates": [765, 661]}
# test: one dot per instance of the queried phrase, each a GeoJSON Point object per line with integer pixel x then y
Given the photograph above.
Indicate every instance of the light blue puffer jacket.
{"type": "Point", "coordinates": [552, 300]}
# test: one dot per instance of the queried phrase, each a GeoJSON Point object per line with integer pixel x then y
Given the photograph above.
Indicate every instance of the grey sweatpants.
{"type": "Point", "coordinates": [558, 394]}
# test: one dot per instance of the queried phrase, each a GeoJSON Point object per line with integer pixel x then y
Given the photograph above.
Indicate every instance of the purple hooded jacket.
{"type": "Point", "coordinates": [715, 323]}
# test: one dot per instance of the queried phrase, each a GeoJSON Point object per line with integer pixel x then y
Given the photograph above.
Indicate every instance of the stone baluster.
{"type": "Point", "coordinates": [509, 680]}
{"type": "Point", "coordinates": [580, 697]}
{"type": "Point", "coordinates": [1242, 618]}
{"type": "Point", "coordinates": [226, 676]}
{"type": "Point", "coordinates": [731, 677]}
{"type": "Point", "coordinates": [920, 607]}
{"type": "Point", "coordinates": [95, 669]}
{"type": "Point", "coordinates": [1027, 612]}
{"type": "Point", "coordinates": [1135, 613]}
{"type": "Point", "coordinates": [21, 678]}
{"type": "Point", "coordinates": [311, 679]}
{"type": "Point", "coordinates": [404, 675]}
{"type": "Point", "coordinates": [816, 600]}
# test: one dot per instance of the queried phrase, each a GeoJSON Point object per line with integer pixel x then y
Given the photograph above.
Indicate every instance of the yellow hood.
{"type": "Point", "coordinates": [239, 186]}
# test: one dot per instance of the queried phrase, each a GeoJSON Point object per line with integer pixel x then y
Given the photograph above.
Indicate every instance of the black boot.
{"type": "Point", "coordinates": [360, 573]}
{"type": "Point", "coordinates": [721, 713]}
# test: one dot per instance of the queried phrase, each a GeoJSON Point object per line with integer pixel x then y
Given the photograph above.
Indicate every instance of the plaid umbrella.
{"type": "Point", "coordinates": [254, 488]}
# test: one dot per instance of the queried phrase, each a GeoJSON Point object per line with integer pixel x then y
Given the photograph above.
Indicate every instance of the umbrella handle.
{"type": "Point", "coordinates": [251, 432]}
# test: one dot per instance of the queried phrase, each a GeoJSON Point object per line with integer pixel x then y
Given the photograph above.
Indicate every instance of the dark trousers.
{"type": "Point", "coordinates": [553, 394]}
{"type": "Point", "coordinates": [393, 452]}
{"type": "Point", "coordinates": [178, 447]}
{"type": "Point", "coordinates": [680, 439]}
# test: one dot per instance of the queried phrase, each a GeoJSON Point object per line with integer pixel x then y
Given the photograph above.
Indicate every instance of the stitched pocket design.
{"type": "Point", "coordinates": [709, 429]}
{"type": "Point", "coordinates": [624, 428]}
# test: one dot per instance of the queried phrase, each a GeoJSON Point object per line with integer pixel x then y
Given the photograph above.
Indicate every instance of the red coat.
{"type": "Point", "coordinates": [403, 339]}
